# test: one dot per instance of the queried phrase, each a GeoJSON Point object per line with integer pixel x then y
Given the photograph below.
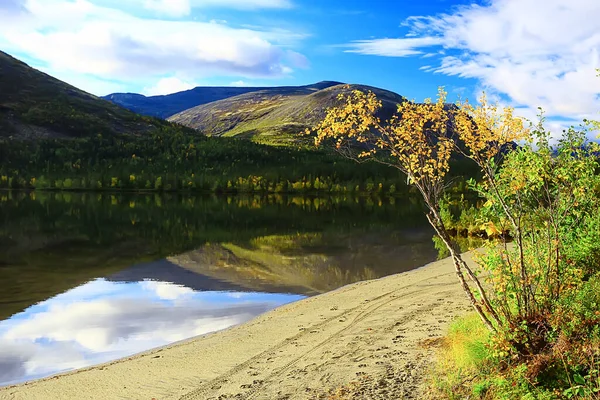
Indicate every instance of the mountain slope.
{"type": "Point", "coordinates": [271, 117]}
{"type": "Point", "coordinates": [33, 104]}
{"type": "Point", "coordinates": [169, 105]}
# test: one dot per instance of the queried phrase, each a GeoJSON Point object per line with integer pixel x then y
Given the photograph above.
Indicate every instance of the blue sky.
{"type": "Point", "coordinates": [525, 53]}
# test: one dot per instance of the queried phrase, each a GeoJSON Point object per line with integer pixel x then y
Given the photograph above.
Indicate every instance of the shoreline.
{"type": "Point", "coordinates": [373, 335]}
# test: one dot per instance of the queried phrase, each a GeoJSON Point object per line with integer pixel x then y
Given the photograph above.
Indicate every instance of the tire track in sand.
{"type": "Point", "coordinates": [207, 386]}
{"type": "Point", "coordinates": [362, 311]}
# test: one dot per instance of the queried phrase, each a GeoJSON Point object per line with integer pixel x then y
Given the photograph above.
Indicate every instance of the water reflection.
{"type": "Point", "coordinates": [52, 242]}
{"type": "Point", "coordinates": [103, 320]}
{"type": "Point", "coordinates": [217, 260]}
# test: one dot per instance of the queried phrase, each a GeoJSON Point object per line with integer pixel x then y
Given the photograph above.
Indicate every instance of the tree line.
{"type": "Point", "coordinates": [172, 160]}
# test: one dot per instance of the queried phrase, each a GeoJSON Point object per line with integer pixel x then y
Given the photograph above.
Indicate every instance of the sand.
{"type": "Point", "coordinates": [372, 337]}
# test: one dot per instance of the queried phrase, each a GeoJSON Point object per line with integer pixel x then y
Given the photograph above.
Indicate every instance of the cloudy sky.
{"type": "Point", "coordinates": [527, 53]}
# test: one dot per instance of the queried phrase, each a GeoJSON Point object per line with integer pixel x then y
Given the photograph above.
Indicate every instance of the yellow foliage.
{"type": "Point", "coordinates": [485, 129]}
{"type": "Point", "coordinates": [490, 229]}
{"type": "Point", "coordinates": [416, 137]}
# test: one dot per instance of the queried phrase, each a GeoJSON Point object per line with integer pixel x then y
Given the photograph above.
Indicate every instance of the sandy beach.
{"type": "Point", "coordinates": [374, 338]}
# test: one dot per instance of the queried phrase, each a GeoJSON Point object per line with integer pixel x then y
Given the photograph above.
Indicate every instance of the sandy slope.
{"type": "Point", "coordinates": [369, 335]}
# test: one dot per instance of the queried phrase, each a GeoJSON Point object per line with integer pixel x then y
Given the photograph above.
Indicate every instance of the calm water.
{"type": "Point", "coordinates": [87, 278]}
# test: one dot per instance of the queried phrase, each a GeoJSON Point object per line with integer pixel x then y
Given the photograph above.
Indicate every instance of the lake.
{"type": "Point", "coordinates": [87, 278]}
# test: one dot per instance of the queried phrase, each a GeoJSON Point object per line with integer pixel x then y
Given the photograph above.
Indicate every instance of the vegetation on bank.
{"type": "Point", "coordinates": [536, 334]}
{"type": "Point", "coordinates": [56, 137]}
{"type": "Point", "coordinates": [170, 160]}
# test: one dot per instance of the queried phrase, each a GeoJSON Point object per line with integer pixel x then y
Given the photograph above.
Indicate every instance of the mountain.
{"type": "Point", "coordinates": [36, 105]}
{"type": "Point", "coordinates": [275, 115]}
{"type": "Point", "coordinates": [169, 105]}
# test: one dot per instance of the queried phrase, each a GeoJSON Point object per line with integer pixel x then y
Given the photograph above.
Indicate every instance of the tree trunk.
{"type": "Point", "coordinates": [459, 264]}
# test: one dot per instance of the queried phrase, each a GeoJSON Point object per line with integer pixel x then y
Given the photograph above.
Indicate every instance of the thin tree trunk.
{"type": "Point", "coordinates": [458, 265]}
{"type": "Point", "coordinates": [445, 237]}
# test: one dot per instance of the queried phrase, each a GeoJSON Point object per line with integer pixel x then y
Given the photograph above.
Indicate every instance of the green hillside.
{"type": "Point", "coordinates": [271, 117]}
{"type": "Point", "coordinates": [36, 105]}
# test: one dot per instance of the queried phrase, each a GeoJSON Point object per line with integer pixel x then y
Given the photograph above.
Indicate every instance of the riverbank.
{"type": "Point", "coordinates": [375, 338]}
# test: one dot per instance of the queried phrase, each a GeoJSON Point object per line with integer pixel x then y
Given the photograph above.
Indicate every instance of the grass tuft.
{"type": "Point", "coordinates": [463, 355]}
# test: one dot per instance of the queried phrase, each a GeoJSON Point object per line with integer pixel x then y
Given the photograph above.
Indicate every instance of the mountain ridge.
{"type": "Point", "coordinates": [273, 117]}
{"type": "Point", "coordinates": [36, 105]}
{"type": "Point", "coordinates": [165, 106]}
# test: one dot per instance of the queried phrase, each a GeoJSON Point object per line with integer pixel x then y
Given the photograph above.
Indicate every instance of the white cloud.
{"type": "Point", "coordinates": [238, 84]}
{"type": "Point", "coordinates": [69, 336]}
{"type": "Point", "coordinates": [393, 47]}
{"type": "Point", "coordinates": [243, 4]}
{"type": "Point", "coordinates": [298, 60]}
{"type": "Point", "coordinates": [175, 8]}
{"type": "Point", "coordinates": [21, 359]}
{"type": "Point", "coordinates": [537, 55]}
{"type": "Point", "coordinates": [84, 38]}
{"type": "Point", "coordinates": [167, 86]}
{"type": "Point", "coordinates": [167, 291]}
{"type": "Point", "coordinates": [178, 8]}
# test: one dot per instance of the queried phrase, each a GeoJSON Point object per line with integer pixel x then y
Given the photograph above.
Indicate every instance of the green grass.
{"type": "Point", "coordinates": [468, 368]}
{"type": "Point", "coordinates": [462, 358]}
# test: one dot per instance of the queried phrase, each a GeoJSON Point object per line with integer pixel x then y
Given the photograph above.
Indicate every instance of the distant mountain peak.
{"type": "Point", "coordinates": [326, 84]}
{"type": "Point", "coordinates": [165, 106]}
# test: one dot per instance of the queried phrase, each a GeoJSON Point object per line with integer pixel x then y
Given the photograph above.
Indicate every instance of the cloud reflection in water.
{"type": "Point", "coordinates": [103, 321]}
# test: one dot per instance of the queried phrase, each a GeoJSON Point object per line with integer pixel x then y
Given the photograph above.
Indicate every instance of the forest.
{"type": "Point", "coordinates": [171, 159]}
